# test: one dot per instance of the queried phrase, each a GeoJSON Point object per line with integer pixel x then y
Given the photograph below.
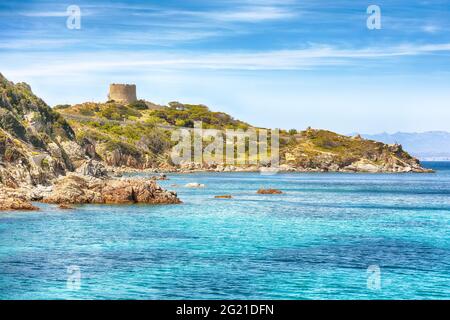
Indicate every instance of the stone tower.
{"type": "Point", "coordinates": [123, 93]}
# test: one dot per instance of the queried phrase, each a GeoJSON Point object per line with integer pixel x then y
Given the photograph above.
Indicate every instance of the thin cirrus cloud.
{"type": "Point", "coordinates": [314, 57]}
{"type": "Point", "coordinates": [255, 14]}
{"type": "Point", "coordinates": [237, 14]}
{"type": "Point", "coordinates": [248, 13]}
{"type": "Point", "coordinates": [36, 43]}
{"type": "Point", "coordinates": [44, 14]}
{"type": "Point", "coordinates": [150, 25]}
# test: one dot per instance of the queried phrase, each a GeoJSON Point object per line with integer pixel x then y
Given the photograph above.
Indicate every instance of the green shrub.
{"type": "Point", "coordinates": [139, 105]}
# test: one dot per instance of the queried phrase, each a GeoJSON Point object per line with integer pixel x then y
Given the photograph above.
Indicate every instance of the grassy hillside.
{"type": "Point", "coordinates": [174, 114]}
{"type": "Point", "coordinates": [134, 135]}
{"type": "Point", "coordinates": [138, 135]}
{"type": "Point", "coordinates": [322, 149]}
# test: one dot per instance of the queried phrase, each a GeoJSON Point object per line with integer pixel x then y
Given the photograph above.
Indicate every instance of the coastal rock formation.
{"type": "Point", "coordinates": [269, 191]}
{"type": "Point", "coordinates": [11, 199]}
{"type": "Point", "coordinates": [77, 189]}
{"type": "Point", "coordinates": [16, 204]}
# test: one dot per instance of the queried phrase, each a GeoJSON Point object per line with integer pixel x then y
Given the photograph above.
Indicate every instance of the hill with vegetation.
{"type": "Point", "coordinates": [324, 150]}
{"type": "Point", "coordinates": [138, 136]}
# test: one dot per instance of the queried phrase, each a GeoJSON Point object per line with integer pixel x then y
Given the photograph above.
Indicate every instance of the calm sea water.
{"type": "Point", "coordinates": [315, 241]}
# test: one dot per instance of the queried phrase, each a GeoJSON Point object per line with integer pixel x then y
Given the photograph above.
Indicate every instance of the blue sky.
{"type": "Point", "coordinates": [286, 63]}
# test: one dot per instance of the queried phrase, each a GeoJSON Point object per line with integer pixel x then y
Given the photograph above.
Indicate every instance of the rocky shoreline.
{"type": "Point", "coordinates": [89, 185]}
{"type": "Point", "coordinates": [196, 168]}
{"type": "Point", "coordinates": [93, 183]}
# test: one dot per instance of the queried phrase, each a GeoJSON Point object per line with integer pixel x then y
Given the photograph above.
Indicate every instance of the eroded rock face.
{"type": "Point", "coordinates": [76, 189]}
{"type": "Point", "coordinates": [93, 168]}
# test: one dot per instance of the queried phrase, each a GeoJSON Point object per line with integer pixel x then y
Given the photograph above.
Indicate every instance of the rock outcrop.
{"type": "Point", "coordinates": [226, 196]}
{"type": "Point", "coordinates": [11, 199]}
{"type": "Point", "coordinates": [93, 168]}
{"type": "Point", "coordinates": [77, 189]}
{"type": "Point", "coordinates": [269, 191]}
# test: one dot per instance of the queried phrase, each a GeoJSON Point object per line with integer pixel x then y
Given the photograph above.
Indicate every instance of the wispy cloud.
{"type": "Point", "coordinates": [37, 43]}
{"type": "Point", "coordinates": [430, 28]}
{"type": "Point", "coordinates": [318, 56]}
{"type": "Point", "coordinates": [248, 13]}
{"type": "Point", "coordinates": [251, 14]}
{"type": "Point", "coordinates": [56, 13]}
{"type": "Point", "coordinates": [44, 14]}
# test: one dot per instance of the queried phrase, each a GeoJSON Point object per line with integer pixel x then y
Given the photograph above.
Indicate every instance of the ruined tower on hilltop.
{"type": "Point", "coordinates": [123, 93]}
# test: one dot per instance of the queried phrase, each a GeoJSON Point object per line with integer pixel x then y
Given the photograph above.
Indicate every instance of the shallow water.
{"type": "Point", "coordinates": [315, 241]}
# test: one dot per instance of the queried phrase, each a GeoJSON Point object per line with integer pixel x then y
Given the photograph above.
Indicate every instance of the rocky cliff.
{"type": "Point", "coordinates": [31, 138]}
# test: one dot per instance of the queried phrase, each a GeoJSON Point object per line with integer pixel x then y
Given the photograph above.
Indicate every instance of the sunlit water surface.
{"type": "Point", "coordinates": [315, 241]}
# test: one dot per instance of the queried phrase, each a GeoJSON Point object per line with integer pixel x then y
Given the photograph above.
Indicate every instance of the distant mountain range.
{"type": "Point", "coordinates": [427, 146]}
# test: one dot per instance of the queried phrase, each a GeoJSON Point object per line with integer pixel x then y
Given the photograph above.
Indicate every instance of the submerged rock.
{"type": "Point", "coordinates": [65, 206]}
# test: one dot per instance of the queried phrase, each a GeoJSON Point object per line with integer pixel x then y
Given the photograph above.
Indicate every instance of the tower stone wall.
{"type": "Point", "coordinates": [123, 93]}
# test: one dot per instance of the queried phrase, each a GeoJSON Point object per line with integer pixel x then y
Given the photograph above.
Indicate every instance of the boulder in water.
{"type": "Point", "coordinates": [227, 196]}
{"type": "Point", "coordinates": [269, 191]}
{"type": "Point", "coordinates": [194, 185]}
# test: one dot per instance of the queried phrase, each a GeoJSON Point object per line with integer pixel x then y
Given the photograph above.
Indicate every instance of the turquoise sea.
{"type": "Point", "coordinates": [315, 241]}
